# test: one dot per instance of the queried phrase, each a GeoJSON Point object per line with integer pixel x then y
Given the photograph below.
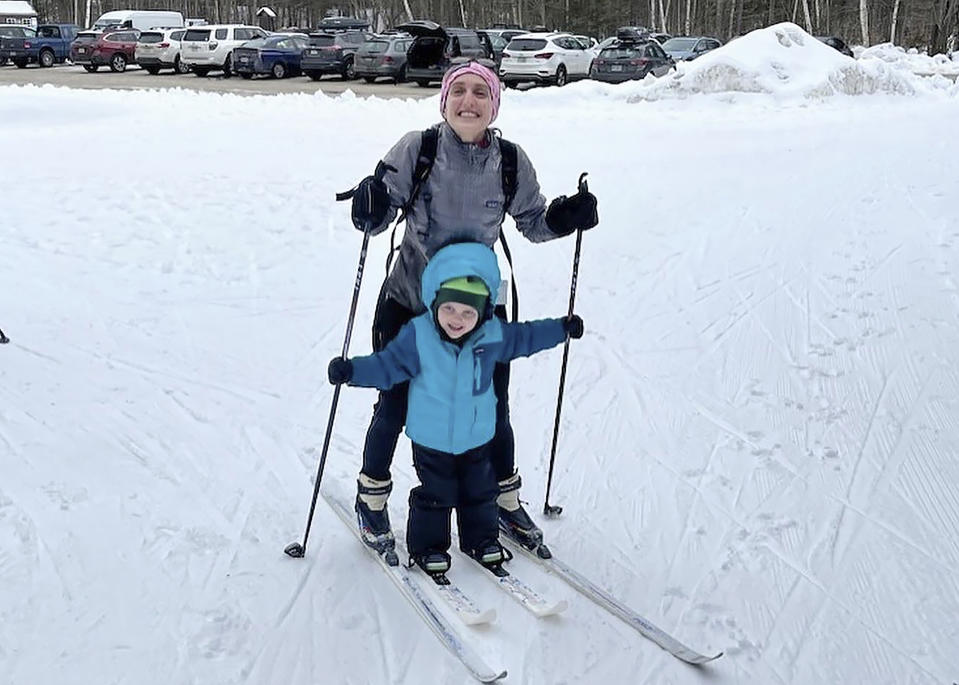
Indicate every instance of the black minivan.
{"type": "Point", "coordinates": [434, 46]}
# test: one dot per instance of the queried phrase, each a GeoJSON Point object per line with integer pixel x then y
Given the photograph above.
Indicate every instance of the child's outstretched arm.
{"type": "Point", "coordinates": [397, 362]}
{"type": "Point", "coordinates": [529, 337]}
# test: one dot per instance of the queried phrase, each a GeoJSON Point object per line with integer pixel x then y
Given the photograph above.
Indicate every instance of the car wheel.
{"type": "Point", "coordinates": [422, 82]}
{"type": "Point", "coordinates": [401, 76]}
{"type": "Point", "coordinates": [561, 76]}
{"type": "Point", "coordinates": [47, 59]}
{"type": "Point", "coordinates": [228, 66]}
{"type": "Point", "coordinates": [314, 75]}
{"type": "Point", "coordinates": [118, 63]}
{"type": "Point", "coordinates": [3, 61]}
{"type": "Point", "coordinates": [152, 71]}
{"type": "Point", "coordinates": [245, 75]}
{"type": "Point", "coordinates": [21, 63]}
{"type": "Point", "coordinates": [91, 67]}
{"type": "Point", "coordinates": [179, 67]}
{"type": "Point", "coordinates": [278, 70]}
{"type": "Point", "coordinates": [369, 79]}
{"type": "Point", "coordinates": [201, 71]}
{"type": "Point", "coordinates": [349, 71]}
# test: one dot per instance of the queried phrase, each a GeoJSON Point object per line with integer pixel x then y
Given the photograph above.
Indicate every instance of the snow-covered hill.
{"type": "Point", "coordinates": [760, 444]}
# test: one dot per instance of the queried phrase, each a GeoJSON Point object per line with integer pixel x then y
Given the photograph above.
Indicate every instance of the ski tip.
{"type": "Point", "coordinates": [480, 618]}
{"type": "Point", "coordinates": [493, 677]}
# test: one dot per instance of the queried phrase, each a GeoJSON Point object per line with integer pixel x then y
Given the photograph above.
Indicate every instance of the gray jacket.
{"type": "Point", "coordinates": [461, 199]}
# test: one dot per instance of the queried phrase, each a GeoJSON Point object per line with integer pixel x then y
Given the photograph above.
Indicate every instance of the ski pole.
{"type": "Point", "coordinates": [298, 549]}
{"type": "Point", "coordinates": [549, 509]}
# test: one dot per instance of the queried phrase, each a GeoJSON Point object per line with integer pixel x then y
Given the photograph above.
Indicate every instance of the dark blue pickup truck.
{"type": "Point", "coordinates": [50, 45]}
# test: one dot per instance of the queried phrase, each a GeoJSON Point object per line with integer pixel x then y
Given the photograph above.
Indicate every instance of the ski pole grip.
{"type": "Point", "coordinates": [583, 187]}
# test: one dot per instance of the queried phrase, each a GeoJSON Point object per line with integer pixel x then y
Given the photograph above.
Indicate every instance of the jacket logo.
{"type": "Point", "coordinates": [492, 204]}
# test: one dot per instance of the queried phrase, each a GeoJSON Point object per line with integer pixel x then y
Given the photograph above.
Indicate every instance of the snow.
{"type": "Point", "coordinates": [759, 439]}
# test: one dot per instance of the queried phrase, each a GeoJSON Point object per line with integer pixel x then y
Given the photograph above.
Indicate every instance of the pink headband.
{"type": "Point", "coordinates": [485, 73]}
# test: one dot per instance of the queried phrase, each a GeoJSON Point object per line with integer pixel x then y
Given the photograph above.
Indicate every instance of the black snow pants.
{"type": "Point", "coordinates": [389, 412]}
{"type": "Point", "coordinates": [464, 481]}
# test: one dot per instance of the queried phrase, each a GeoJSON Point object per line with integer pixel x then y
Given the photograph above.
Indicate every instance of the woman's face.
{"type": "Point", "coordinates": [469, 107]}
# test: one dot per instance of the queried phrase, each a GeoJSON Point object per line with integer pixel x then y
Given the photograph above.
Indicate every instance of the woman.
{"type": "Point", "coordinates": [462, 199]}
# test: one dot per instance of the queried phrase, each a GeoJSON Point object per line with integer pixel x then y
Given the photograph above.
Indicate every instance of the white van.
{"type": "Point", "coordinates": [138, 19]}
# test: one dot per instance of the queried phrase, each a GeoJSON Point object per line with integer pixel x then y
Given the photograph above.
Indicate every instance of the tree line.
{"type": "Point", "coordinates": [926, 24]}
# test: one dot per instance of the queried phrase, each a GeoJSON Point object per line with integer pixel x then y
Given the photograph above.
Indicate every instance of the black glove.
{"type": "Point", "coordinates": [568, 214]}
{"type": "Point", "coordinates": [371, 203]}
{"type": "Point", "coordinates": [574, 326]}
{"type": "Point", "coordinates": [340, 370]}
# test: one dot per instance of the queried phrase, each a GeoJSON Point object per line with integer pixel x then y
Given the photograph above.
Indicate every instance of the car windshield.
{"type": "Point", "coordinates": [374, 46]}
{"type": "Point", "coordinates": [259, 43]}
{"type": "Point", "coordinates": [87, 36]}
{"type": "Point", "coordinates": [621, 52]}
{"type": "Point", "coordinates": [680, 43]}
{"type": "Point", "coordinates": [322, 41]}
{"type": "Point", "coordinates": [526, 44]}
{"type": "Point", "coordinates": [197, 34]}
{"type": "Point", "coordinates": [106, 24]}
{"type": "Point", "coordinates": [150, 37]}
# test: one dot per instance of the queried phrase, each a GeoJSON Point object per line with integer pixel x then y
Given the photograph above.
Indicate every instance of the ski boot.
{"type": "Point", "coordinates": [373, 518]}
{"type": "Point", "coordinates": [491, 557]}
{"type": "Point", "coordinates": [435, 564]}
{"type": "Point", "coordinates": [515, 522]}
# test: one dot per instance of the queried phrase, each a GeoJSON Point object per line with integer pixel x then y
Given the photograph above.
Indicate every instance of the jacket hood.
{"type": "Point", "coordinates": [460, 259]}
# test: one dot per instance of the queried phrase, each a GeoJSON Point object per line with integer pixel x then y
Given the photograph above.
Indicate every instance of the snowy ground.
{"type": "Point", "coordinates": [760, 437]}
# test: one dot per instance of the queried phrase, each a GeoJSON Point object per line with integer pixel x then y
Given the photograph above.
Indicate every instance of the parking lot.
{"type": "Point", "coordinates": [135, 78]}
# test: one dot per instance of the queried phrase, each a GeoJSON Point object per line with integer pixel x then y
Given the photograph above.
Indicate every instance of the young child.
{"type": "Point", "coordinates": [448, 354]}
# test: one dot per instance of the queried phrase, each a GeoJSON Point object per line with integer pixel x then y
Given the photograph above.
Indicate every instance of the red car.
{"type": "Point", "coordinates": [116, 49]}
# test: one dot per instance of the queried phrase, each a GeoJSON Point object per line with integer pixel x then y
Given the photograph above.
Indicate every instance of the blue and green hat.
{"type": "Point", "coordinates": [468, 290]}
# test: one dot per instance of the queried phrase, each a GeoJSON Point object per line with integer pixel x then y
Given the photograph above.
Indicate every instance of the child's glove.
{"type": "Point", "coordinates": [340, 370]}
{"type": "Point", "coordinates": [573, 325]}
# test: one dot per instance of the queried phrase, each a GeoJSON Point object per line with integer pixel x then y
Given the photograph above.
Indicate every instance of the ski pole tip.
{"type": "Point", "coordinates": [295, 550]}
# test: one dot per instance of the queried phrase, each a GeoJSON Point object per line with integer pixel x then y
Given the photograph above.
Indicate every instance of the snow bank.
{"type": "Point", "coordinates": [787, 63]}
{"type": "Point", "coordinates": [910, 60]}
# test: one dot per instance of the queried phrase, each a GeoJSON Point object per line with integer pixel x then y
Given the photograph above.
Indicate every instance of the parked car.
{"type": "Point", "coordinates": [554, 58]}
{"type": "Point", "coordinates": [49, 45]}
{"type": "Point", "coordinates": [589, 43]}
{"type": "Point", "coordinates": [331, 53]}
{"type": "Point", "coordinates": [498, 44]}
{"type": "Point", "coordinates": [276, 55]}
{"type": "Point", "coordinates": [210, 48]}
{"type": "Point", "coordinates": [836, 43]}
{"type": "Point", "coordinates": [13, 31]}
{"type": "Point", "coordinates": [690, 47]}
{"type": "Point", "coordinates": [160, 49]}
{"type": "Point", "coordinates": [115, 49]}
{"type": "Point", "coordinates": [660, 37]}
{"type": "Point", "coordinates": [631, 60]}
{"type": "Point", "coordinates": [434, 46]}
{"type": "Point", "coordinates": [382, 56]}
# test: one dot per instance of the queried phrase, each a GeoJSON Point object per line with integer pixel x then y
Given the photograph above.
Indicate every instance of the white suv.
{"type": "Point", "coordinates": [544, 58]}
{"type": "Point", "coordinates": [160, 49]}
{"type": "Point", "coordinates": [210, 48]}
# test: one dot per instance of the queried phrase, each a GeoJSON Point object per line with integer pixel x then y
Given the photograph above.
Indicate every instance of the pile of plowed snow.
{"type": "Point", "coordinates": [787, 63]}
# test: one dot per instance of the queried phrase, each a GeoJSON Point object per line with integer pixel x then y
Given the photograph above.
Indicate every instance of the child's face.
{"type": "Point", "coordinates": [456, 319]}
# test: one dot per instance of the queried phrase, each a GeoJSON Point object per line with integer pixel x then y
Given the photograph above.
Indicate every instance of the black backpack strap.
{"type": "Point", "coordinates": [508, 171]}
{"type": "Point", "coordinates": [421, 171]}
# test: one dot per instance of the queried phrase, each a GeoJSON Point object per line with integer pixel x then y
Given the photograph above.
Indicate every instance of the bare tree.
{"type": "Point", "coordinates": [864, 20]}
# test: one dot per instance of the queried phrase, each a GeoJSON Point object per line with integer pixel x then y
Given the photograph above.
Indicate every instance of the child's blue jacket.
{"type": "Point", "coordinates": [452, 406]}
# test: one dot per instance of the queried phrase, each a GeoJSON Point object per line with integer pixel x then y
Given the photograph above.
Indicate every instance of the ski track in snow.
{"type": "Point", "coordinates": [759, 435]}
